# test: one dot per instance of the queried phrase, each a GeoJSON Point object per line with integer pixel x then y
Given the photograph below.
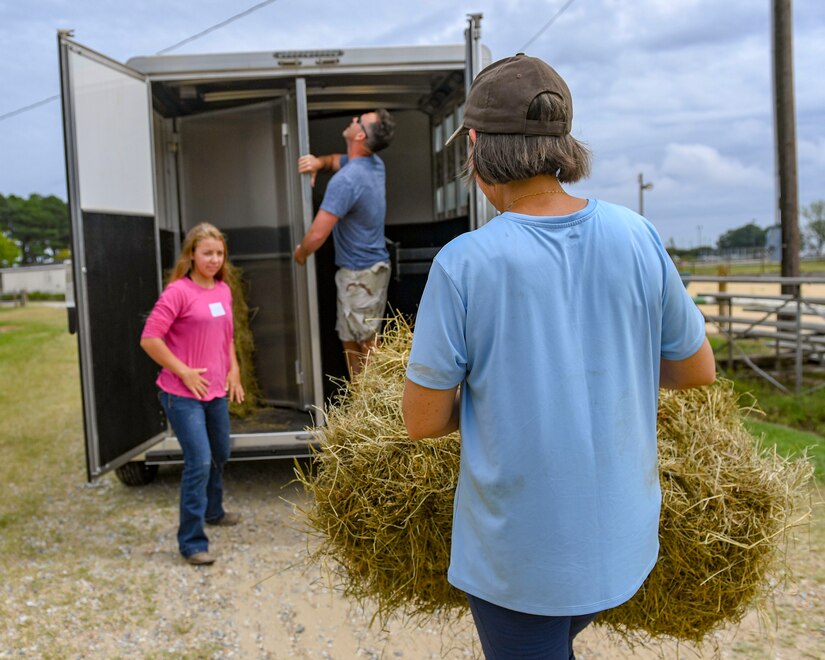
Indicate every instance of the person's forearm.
{"type": "Point", "coordinates": [234, 387]}
{"type": "Point", "coordinates": [330, 162]}
{"type": "Point", "coordinates": [157, 349]}
{"type": "Point", "coordinates": [312, 242]}
{"type": "Point", "coordinates": [318, 232]}
{"type": "Point", "coordinates": [430, 413]}
{"type": "Point", "coordinates": [192, 377]}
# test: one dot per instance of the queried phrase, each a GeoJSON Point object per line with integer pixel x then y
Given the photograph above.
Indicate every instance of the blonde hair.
{"type": "Point", "coordinates": [198, 233]}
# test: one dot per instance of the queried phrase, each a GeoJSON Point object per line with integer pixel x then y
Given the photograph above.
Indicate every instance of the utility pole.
{"type": "Point", "coordinates": [785, 119]}
{"type": "Point", "coordinates": [642, 187]}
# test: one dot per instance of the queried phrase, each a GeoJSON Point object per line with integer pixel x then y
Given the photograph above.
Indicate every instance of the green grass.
{"type": "Point", "coordinates": [39, 405]}
{"type": "Point", "coordinates": [57, 535]}
{"type": "Point", "coordinates": [792, 423]}
{"type": "Point", "coordinates": [751, 347]}
{"type": "Point", "coordinates": [805, 412]}
{"type": "Point", "coordinates": [700, 268]}
{"type": "Point", "coordinates": [791, 442]}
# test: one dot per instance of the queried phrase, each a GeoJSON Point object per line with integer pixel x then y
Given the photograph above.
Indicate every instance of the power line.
{"type": "Point", "coordinates": [31, 106]}
{"type": "Point", "coordinates": [547, 25]}
{"type": "Point", "coordinates": [217, 26]}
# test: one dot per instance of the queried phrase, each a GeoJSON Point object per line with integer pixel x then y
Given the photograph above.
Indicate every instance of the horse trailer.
{"type": "Point", "coordinates": [161, 143]}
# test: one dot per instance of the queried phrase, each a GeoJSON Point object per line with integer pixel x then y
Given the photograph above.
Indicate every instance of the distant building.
{"type": "Point", "coordinates": [773, 243]}
{"type": "Point", "coordinates": [48, 278]}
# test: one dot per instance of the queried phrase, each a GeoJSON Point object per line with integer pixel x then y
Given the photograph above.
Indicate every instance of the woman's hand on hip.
{"type": "Point", "coordinates": [195, 382]}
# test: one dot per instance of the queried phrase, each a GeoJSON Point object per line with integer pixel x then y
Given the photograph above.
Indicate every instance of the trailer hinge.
{"type": "Point", "coordinates": [299, 373]}
{"type": "Point", "coordinates": [174, 142]}
{"type": "Point", "coordinates": [284, 133]}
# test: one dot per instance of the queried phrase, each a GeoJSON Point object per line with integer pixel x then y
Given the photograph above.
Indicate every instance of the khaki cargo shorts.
{"type": "Point", "coordinates": [362, 297]}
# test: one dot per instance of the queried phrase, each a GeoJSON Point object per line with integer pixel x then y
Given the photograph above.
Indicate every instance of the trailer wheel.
{"type": "Point", "coordinates": [136, 473]}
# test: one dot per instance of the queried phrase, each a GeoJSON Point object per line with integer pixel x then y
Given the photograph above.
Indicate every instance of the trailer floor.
{"type": "Point", "coordinates": [270, 419]}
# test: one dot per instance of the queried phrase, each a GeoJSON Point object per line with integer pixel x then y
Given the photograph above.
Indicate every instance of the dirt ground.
{"type": "Point", "coordinates": [96, 574]}
{"type": "Point", "coordinates": [261, 600]}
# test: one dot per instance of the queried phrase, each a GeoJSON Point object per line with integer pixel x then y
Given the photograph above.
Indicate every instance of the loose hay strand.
{"type": "Point", "coordinates": [381, 507]}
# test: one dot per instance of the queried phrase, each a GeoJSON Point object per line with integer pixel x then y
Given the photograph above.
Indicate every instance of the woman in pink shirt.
{"type": "Point", "coordinates": [190, 334]}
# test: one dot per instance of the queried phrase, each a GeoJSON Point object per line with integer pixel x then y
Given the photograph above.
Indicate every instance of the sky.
{"type": "Point", "coordinates": [678, 90]}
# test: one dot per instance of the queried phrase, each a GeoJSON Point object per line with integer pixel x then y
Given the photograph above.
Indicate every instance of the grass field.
{"type": "Point", "coordinates": [766, 268]}
{"type": "Point", "coordinates": [39, 406]}
{"type": "Point", "coordinates": [42, 462]}
{"type": "Point", "coordinates": [57, 537]}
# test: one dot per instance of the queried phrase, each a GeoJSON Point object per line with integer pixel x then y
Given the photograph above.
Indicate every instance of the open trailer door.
{"type": "Point", "coordinates": [480, 210]}
{"type": "Point", "coordinates": [308, 314]}
{"type": "Point", "coordinates": [107, 123]}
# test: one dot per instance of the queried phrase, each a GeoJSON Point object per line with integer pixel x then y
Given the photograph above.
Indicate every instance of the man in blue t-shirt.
{"type": "Point", "coordinates": [353, 211]}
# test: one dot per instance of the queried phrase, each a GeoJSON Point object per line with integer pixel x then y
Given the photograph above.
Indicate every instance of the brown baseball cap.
{"type": "Point", "coordinates": [501, 94]}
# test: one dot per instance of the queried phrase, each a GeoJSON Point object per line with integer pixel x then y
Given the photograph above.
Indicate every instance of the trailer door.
{"type": "Point", "coordinates": [107, 123]}
{"type": "Point", "coordinates": [480, 210]}
{"type": "Point", "coordinates": [298, 144]}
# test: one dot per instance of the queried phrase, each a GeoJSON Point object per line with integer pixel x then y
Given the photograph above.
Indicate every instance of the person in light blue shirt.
{"type": "Point", "coordinates": [545, 336]}
{"type": "Point", "coordinates": [353, 211]}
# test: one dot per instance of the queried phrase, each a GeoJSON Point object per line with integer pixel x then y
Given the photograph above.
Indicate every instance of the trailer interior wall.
{"type": "Point", "coordinates": [237, 172]}
{"type": "Point", "coordinates": [408, 161]}
{"type": "Point", "coordinates": [166, 190]}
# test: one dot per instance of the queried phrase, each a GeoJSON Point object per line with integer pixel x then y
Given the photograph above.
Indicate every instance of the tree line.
{"type": "Point", "coordinates": [36, 230]}
{"type": "Point", "coordinates": [752, 235]}
{"type": "Point", "coordinates": [33, 230]}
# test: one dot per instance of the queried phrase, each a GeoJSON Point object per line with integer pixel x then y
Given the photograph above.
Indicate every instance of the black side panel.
{"type": "Point", "coordinates": [403, 295]}
{"type": "Point", "coordinates": [404, 292]}
{"type": "Point", "coordinates": [332, 351]}
{"type": "Point", "coordinates": [168, 250]}
{"type": "Point", "coordinates": [121, 292]}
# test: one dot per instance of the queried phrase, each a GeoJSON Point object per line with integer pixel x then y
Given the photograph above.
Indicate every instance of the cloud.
{"type": "Point", "coordinates": [703, 165]}
{"type": "Point", "coordinates": [678, 89]}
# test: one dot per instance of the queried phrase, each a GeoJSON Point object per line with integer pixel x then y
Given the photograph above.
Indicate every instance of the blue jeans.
{"type": "Point", "coordinates": [507, 634]}
{"type": "Point", "coordinates": [202, 429]}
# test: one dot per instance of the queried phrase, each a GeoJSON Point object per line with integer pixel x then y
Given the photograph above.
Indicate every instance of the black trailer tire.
{"type": "Point", "coordinates": [136, 473]}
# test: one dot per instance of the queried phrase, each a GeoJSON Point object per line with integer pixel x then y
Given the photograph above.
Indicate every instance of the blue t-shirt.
{"type": "Point", "coordinates": [356, 194]}
{"type": "Point", "coordinates": [555, 327]}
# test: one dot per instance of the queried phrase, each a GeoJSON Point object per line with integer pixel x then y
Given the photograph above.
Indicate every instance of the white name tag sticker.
{"type": "Point", "coordinates": [217, 309]}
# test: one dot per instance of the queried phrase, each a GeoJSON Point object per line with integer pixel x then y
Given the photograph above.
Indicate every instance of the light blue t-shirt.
{"type": "Point", "coordinates": [555, 327]}
{"type": "Point", "coordinates": [356, 194]}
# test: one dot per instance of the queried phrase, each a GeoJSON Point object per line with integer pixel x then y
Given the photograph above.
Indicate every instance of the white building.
{"type": "Point", "coordinates": [773, 243]}
{"type": "Point", "coordinates": [47, 278]}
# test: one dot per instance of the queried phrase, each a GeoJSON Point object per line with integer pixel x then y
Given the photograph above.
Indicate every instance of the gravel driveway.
{"type": "Point", "coordinates": [101, 578]}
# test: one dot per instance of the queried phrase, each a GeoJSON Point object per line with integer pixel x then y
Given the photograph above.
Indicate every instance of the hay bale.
{"type": "Point", "coordinates": [244, 345]}
{"type": "Point", "coordinates": [382, 503]}
{"type": "Point", "coordinates": [382, 507]}
{"type": "Point", "coordinates": [726, 504]}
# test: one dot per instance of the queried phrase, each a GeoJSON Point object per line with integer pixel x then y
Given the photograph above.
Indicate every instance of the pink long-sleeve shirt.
{"type": "Point", "coordinates": [196, 325]}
